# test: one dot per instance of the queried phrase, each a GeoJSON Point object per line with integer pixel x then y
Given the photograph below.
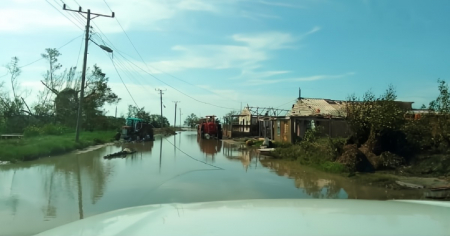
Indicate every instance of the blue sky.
{"type": "Point", "coordinates": [224, 52]}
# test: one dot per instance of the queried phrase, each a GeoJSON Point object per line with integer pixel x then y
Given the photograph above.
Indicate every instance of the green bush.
{"type": "Point", "coordinates": [32, 131]}
{"type": "Point", "coordinates": [48, 129]}
{"type": "Point", "coordinates": [321, 154]}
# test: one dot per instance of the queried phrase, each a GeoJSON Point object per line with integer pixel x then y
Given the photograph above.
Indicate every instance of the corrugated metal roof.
{"type": "Point", "coordinates": [318, 106]}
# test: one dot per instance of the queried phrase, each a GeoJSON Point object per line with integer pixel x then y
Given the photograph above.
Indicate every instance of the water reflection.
{"type": "Point", "coordinates": [324, 185]}
{"type": "Point", "coordinates": [55, 186]}
{"type": "Point", "coordinates": [53, 191]}
{"type": "Point", "coordinates": [210, 147]}
{"type": "Point", "coordinates": [248, 157]}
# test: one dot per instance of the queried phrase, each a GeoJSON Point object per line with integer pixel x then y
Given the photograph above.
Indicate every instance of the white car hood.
{"type": "Point", "coordinates": [270, 217]}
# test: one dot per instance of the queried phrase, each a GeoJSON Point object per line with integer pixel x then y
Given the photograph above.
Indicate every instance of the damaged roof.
{"type": "Point", "coordinates": [318, 106]}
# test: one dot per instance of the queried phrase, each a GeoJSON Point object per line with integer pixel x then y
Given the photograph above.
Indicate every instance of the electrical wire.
{"type": "Point", "coordinates": [79, 51]}
{"type": "Point", "coordinates": [286, 103]}
{"type": "Point", "coordinates": [123, 82]}
{"type": "Point", "coordinates": [75, 15]}
{"type": "Point", "coordinates": [4, 75]}
{"type": "Point", "coordinates": [207, 103]}
{"type": "Point", "coordinates": [143, 61]}
{"type": "Point", "coordinates": [57, 48]}
{"type": "Point", "coordinates": [193, 158]}
{"type": "Point", "coordinates": [77, 3]}
{"type": "Point", "coordinates": [145, 71]}
{"type": "Point", "coordinates": [81, 28]}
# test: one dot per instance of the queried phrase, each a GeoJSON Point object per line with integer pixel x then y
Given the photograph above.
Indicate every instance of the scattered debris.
{"type": "Point", "coordinates": [440, 192]}
{"type": "Point", "coordinates": [266, 149]}
{"type": "Point", "coordinates": [121, 154]}
{"type": "Point", "coordinates": [409, 185]}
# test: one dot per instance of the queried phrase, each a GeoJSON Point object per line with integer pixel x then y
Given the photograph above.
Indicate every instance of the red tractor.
{"type": "Point", "coordinates": [209, 128]}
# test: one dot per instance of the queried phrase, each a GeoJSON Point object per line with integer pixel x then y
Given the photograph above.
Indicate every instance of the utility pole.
{"type": "Point", "coordinates": [83, 75]}
{"type": "Point", "coordinates": [160, 97]}
{"type": "Point", "coordinates": [257, 121]}
{"type": "Point", "coordinates": [175, 120]}
{"type": "Point", "coordinates": [180, 118]}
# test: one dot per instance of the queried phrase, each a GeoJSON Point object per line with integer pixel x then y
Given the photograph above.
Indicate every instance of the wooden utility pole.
{"type": "Point", "coordinates": [180, 118]}
{"type": "Point", "coordinates": [160, 97]}
{"type": "Point", "coordinates": [175, 120]}
{"type": "Point", "coordinates": [83, 75]}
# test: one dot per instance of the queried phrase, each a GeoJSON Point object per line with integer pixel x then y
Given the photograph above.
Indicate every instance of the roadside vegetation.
{"type": "Point", "coordinates": [384, 137]}
{"type": "Point", "coordinates": [52, 140]}
{"type": "Point", "coordinates": [48, 124]}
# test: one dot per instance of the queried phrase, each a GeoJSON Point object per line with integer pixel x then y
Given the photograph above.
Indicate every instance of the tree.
{"type": "Point", "coordinates": [140, 113]}
{"type": "Point", "coordinates": [55, 82]}
{"type": "Point", "coordinates": [191, 120]}
{"type": "Point", "coordinates": [441, 106]}
{"type": "Point", "coordinates": [155, 121]}
{"type": "Point", "coordinates": [14, 71]}
{"type": "Point", "coordinates": [12, 107]}
{"type": "Point", "coordinates": [229, 119]}
{"type": "Point", "coordinates": [372, 117]}
{"type": "Point", "coordinates": [61, 96]}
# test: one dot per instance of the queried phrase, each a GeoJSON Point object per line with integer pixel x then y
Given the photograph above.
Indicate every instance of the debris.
{"type": "Point", "coordinates": [440, 192]}
{"type": "Point", "coordinates": [121, 154]}
{"type": "Point", "coordinates": [409, 185]}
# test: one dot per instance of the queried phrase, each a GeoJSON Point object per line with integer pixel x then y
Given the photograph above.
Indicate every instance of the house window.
{"type": "Point", "coordinates": [278, 128]}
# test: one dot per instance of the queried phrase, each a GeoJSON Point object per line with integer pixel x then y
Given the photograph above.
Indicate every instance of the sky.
{"type": "Point", "coordinates": [215, 56]}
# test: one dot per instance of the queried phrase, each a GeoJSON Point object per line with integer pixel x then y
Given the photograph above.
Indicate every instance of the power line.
{"type": "Point", "coordinates": [178, 89]}
{"type": "Point", "coordinates": [4, 75]}
{"type": "Point", "coordinates": [129, 61]}
{"type": "Point", "coordinates": [79, 51]}
{"type": "Point", "coordinates": [193, 158]}
{"type": "Point", "coordinates": [41, 58]}
{"type": "Point", "coordinates": [143, 61]}
{"type": "Point", "coordinates": [123, 82]}
{"type": "Point", "coordinates": [77, 3]}
{"type": "Point", "coordinates": [64, 15]}
{"type": "Point", "coordinates": [286, 103]}
{"type": "Point", "coordinates": [74, 15]}
{"type": "Point", "coordinates": [131, 42]}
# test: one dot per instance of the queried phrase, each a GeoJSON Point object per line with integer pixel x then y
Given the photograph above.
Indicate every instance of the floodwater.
{"type": "Point", "coordinates": [42, 194]}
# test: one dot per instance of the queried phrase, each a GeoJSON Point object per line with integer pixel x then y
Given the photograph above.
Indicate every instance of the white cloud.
{"type": "Point", "coordinates": [267, 40]}
{"type": "Point", "coordinates": [245, 57]}
{"type": "Point", "coordinates": [33, 15]}
{"type": "Point", "coordinates": [249, 74]}
{"type": "Point", "coordinates": [196, 5]}
{"type": "Point", "coordinates": [308, 78]}
{"type": "Point", "coordinates": [280, 4]}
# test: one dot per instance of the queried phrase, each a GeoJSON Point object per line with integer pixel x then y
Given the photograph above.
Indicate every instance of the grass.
{"type": "Point", "coordinates": [31, 148]}
{"type": "Point", "coordinates": [165, 130]}
{"type": "Point", "coordinates": [320, 154]}
{"type": "Point", "coordinates": [376, 179]}
{"type": "Point", "coordinates": [331, 167]}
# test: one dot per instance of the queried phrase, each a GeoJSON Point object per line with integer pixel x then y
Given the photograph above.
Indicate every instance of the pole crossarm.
{"type": "Point", "coordinates": [85, 12]}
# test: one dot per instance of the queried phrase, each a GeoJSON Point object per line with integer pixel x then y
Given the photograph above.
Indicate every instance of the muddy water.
{"type": "Point", "coordinates": [42, 194]}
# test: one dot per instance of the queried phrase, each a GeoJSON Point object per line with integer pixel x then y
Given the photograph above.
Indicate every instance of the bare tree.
{"type": "Point", "coordinates": [14, 71]}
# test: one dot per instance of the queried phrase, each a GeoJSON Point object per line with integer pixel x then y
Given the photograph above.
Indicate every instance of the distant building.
{"type": "Point", "coordinates": [309, 113]}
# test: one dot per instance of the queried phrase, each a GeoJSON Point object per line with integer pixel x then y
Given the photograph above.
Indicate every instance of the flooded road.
{"type": "Point", "coordinates": [42, 194]}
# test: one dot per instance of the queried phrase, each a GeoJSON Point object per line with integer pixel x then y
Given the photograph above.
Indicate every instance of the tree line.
{"type": "Point", "coordinates": [57, 103]}
{"type": "Point", "coordinates": [384, 135]}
